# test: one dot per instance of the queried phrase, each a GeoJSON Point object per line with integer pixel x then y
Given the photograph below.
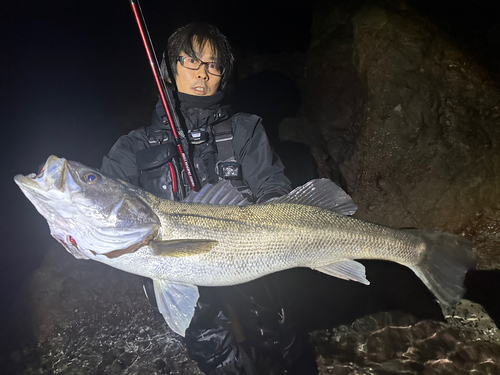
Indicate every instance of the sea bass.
{"type": "Point", "coordinates": [216, 239]}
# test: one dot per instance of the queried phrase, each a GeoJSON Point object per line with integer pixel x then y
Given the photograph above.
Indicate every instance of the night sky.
{"type": "Point", "coordinates": [70, 68]}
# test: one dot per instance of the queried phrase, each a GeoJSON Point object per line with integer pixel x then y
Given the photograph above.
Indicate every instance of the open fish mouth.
{"type": "Point", "coordinates": [81, 218]}
{"type": "Point", "coordinates": [54, 175]}
{"type": "Point", "coordinates": [27, 182]}
{"type": "Point", "coordinates": [30, 181]}
{"type": "Point", "coordinates": [48, 188]}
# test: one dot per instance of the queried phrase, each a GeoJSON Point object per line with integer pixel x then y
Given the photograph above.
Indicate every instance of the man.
{"type": "Point", "coordinates": [232, 326]}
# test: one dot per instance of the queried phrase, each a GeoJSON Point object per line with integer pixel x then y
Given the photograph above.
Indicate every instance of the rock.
{"type": "Point", "coordinates": [395, 343]}
{"type": "Point", "coordinates": [472, 316]}
{"type": "Point", "coordinates": [419, 118]}
{"type": "Point", "coordinates": [332, 91]}
{"type": "Point", "coordinates": [424, 94]}
{"type": "Point", "coordinates": [410, 118]}
{"type": "Point", "coordinates": [82, 317]}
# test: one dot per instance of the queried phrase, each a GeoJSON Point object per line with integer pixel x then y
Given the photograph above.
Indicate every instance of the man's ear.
{"type": "Point", "coordinates": [165, 71]}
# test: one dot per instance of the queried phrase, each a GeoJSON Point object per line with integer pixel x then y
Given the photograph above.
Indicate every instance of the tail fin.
{"type": "Point", "coordinates": [443, 270]}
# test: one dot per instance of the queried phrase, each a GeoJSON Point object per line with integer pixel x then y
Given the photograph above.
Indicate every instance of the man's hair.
{"type": "Point", "coordinates": [199, 35]}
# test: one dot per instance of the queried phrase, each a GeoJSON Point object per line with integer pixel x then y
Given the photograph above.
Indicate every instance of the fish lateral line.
{"type": "Point", "coordinates": [204, 218]}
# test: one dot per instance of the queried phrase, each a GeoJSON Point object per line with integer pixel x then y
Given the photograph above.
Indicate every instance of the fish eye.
{"type": "Point", "coordinates": [91, 178]}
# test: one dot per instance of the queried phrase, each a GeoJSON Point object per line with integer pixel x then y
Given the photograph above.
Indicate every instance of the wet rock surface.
{"type": "Point", "coordinates": [81, 317]}
{"type": "Point", "coordinates": [395, 343]}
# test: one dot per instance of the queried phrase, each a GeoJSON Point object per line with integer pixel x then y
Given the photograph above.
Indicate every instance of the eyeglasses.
{"type": "Point", "coordinates": [195, 64]}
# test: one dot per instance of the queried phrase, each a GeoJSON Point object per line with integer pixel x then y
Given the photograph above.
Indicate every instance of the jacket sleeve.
{"type": "Point", "coordinates": [262, 169]}
{"type": "Point", "coordinates": [120, 161]}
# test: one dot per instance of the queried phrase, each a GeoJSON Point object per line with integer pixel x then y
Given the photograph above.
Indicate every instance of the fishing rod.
{"type": "Point", "coordinates": [179, 137]}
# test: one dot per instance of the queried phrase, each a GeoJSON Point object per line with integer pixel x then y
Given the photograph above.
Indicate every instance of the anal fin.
{"type": "Point", "coordinates": [346, 270]}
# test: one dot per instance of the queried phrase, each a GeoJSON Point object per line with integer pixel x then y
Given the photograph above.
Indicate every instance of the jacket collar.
{"type": "Point", "coordinates": [198, 112]}
{"type": "Point", "coordinates": [202, 112]}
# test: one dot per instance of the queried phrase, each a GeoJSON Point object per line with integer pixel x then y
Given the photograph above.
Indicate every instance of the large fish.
{"type": "Point", "coordinates": [182, 245]}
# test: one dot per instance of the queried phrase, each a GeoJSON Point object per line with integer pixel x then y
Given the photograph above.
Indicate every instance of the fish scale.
{"type": "Point", "coordinates": [257, 239]}
{"type": "Point", "coordinates": [182, 245]}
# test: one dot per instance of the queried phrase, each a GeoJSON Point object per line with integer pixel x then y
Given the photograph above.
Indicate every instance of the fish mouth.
{"type": "Point", "coordinates": [49, 191]}
{"type": "Point", "coordinates": [53, 175]}
{"type": "Point", "coordinates": [76, 217]}
{"type": "Point", "coordinates": [27, 182]}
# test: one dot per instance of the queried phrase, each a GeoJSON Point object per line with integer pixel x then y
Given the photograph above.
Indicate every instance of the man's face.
{"type": "Point", "coordinates": [197, 82]}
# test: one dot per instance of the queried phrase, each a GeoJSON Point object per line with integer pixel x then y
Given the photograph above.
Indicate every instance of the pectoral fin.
{"type": "Point", "coordinates": [347, 270]}
{"type": "Point", "coordinates": [182, 248]}
{"type": "Point", "coordinates": [176, 303]}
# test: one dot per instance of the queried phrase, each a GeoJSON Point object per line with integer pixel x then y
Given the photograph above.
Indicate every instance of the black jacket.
{"type": "Point", "coordinates": [208, 338]}
{"type": "Point", "coordinates": [262, 170]}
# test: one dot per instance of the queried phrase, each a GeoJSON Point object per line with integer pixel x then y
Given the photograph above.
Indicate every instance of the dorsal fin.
{"type": "Point", "coordinates": [223, 192]}
{"type": "Point", "coordinates": [321, 193]}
